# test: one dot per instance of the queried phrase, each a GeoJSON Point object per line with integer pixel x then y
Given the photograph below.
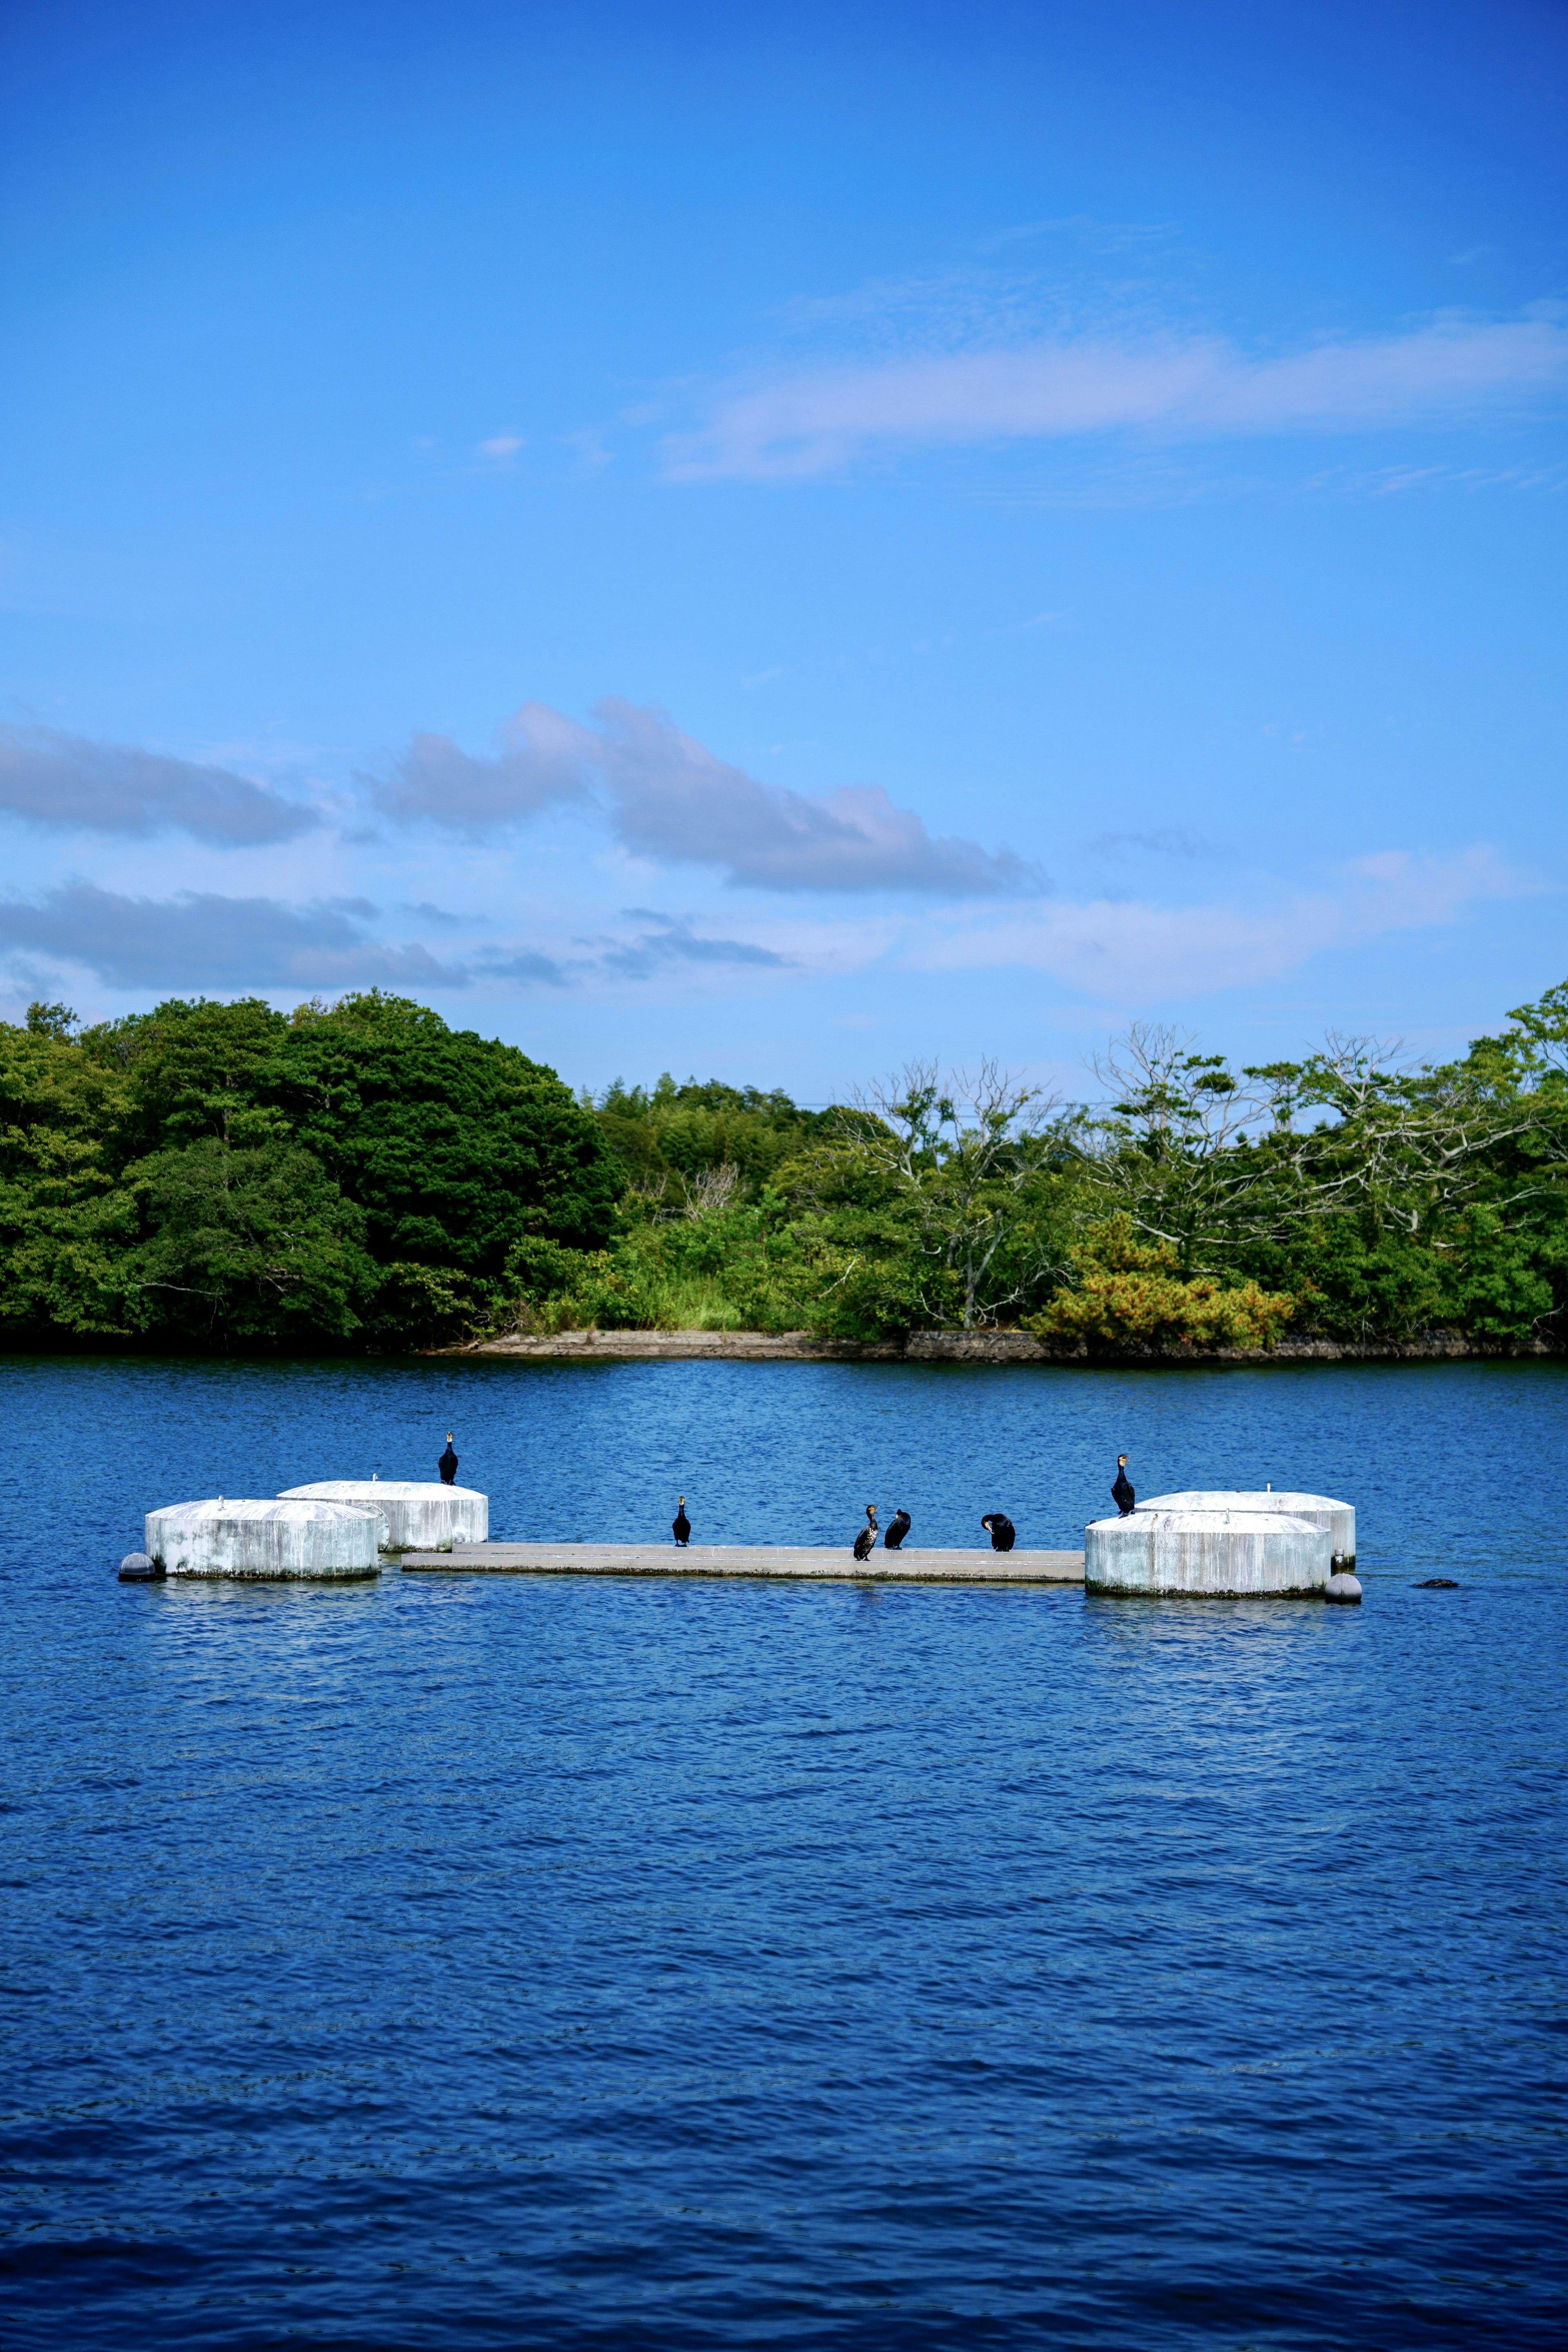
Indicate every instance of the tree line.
{"type": "Point", "coordinates": [361, 1175]}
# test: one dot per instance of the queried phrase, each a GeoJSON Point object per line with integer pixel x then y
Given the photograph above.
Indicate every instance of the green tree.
{"type": "Point", "coordinates": [252, 1243]}
{"type": "Point", "coordinates": [936, 1194]}
{"type": "Point", "coordinates": [454, 1147]}
{"type": "Point", "coordinates": [67, 1218]}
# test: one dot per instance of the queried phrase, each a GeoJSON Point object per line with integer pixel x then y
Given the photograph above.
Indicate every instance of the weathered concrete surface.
{"type": "Point", "coordinates": [1020, 1347]}
{"type": "Point", "coordinates": [1322, 1510]}
{"type": "Point", "coordinates": [794, 1346]}
{"type": "Point", "coordinates": [905, 1566]}
{"type": "Point", "coordinates": [971, 1348]}
{"type": "Point", "coordinates": [411, 1514]}
{"type": "Point", "coordinates": [263, 1539]}
{"type": "Point", "coordinates": [1221, 1551]}
{"type": "Point", "coordinates": [975, 1347]}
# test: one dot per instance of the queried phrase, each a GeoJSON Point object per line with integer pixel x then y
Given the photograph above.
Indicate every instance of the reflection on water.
{"type": "Point", "coordinates": [610, 1962]}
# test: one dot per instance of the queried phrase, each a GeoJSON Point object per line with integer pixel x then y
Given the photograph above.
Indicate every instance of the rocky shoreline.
{"type": "Point", "coordinates": [969, 1348]}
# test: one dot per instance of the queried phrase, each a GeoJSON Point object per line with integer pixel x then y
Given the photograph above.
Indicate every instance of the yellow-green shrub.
{"type": "Point", "coordinates": [1126, 1289]}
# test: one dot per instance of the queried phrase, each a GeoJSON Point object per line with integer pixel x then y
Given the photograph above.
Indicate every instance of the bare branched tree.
{"type": "Point", "coordinates": [962, 1150]}
{"type": "Point", "coordinates": [1207, 1160]}
{"type": "Point", "coordinates": [711, 1190]}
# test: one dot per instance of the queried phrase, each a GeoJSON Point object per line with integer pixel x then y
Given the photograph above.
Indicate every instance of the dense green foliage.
{"type": "Point", "coordinates": [227, 1172]}
{"type": "Point", "coordinates": [363, 1176]}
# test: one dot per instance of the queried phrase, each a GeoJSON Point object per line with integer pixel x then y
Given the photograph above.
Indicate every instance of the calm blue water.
{"type": "Point", "coordinates": [536, 1962]}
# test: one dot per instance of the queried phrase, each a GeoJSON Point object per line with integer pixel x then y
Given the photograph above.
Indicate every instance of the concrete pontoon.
{"type": "Point", "coordinates": [1322, 1510]}
{"type": "Point", "coordinates": [263, 1539]}
{"type": "Point", "coordinates": [1219, 1551]}
{"type": "Point", "coordinates": [411, 1514]}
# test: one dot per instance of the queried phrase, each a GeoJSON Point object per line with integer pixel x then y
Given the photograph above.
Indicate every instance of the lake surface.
{"type": "Point", "coordinates": [554, 1962]}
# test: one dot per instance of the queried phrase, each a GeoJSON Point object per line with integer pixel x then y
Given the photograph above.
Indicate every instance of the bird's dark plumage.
{"type": "Point", "coordinates": [448, 1464]}
{"type": "Point", "coordinates": [680, 1526]}
{"type": "Point", "coordinates": [898, 1528]}
{"type": "Point", "coordinates": [1122, 1494]}
{"type": "Point", "coordinates": [1003, 1535]}
{"type": "Point", "coordinates": [867, 1535]}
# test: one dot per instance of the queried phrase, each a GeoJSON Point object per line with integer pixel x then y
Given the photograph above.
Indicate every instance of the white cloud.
{"type": "Point", "coordinates": [820, 421]}
{"type": "Point", "coordinates": [671, 800]}
{"type": "Point", "coordinates": [67, 782]}
{"type": "Point", "coordinates": [1131, 951]}
{"type": "Point", "coordinates": [200, 940]}
{"type": "Point", "coordinates": [542, 762]}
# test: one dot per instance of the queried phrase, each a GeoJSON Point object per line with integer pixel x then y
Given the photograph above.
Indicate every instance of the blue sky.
{"type": "Point", "coordinates": [767, 546]}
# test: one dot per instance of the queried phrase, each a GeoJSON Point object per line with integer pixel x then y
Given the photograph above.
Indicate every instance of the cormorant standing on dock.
{"type": "Point", "coordinates": [1003, 1535]}
{"type": "Point", "coordinates": [1122, 1494]}
{"type": "Point", "coordinates": [898, 1528]}
{"type": "Point", "coordinates": [867, 1535]}
{"type": "Point", "coordinates": [680, 1526]}
{"type": "Point", "coordinates": [448, 1464]}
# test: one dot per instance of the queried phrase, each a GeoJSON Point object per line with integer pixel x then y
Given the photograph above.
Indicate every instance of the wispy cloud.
{"type": "Point", "coordinates": [1163, 841]}
{"type": "Point", "coordinates": [801, 424]}
{"type": "Point", "coordinates": [67, 782]}
{"type": "Point", "coordinates": [677, 942]}
{"type": "Point", "coordinates": [671, 798]}
{"type": "Point", "coordinates": [1130, 951]}
{"type": "Point", "coordinates": [201, 940]}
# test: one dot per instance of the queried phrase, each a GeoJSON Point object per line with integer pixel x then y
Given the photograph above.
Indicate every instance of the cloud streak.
{"type": "Point", "coordinates": [670, 799]}
{"type": "Point", "coordinates": [676, 942]}
{"type": "Point", "coordinates": [201, 940]}
{"type": "Point", "coordinates": [1128, 951]}
{"type": "Point", "coordinates": [67, 782]}
{"type": "Point", "coordinates": [821, 421]}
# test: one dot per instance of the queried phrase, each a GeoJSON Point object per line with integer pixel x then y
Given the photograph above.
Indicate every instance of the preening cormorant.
{"type": "Point", "coordinates": [448, 1464]}
{"type": "Point", "coordinates": [898, 1528]}
{"type": "Point", "coordinates": [1003, 1535]}
{"type": "Point", "coordinates": [680, 1526]}
{"type": "Point", "coordinates": [867, 1535]}
{"type": "Point", "coordinates": [1122, 1494]}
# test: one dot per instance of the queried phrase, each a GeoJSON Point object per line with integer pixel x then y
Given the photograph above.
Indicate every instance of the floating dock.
{"type": "Point", "coordinates": [818, 1562]}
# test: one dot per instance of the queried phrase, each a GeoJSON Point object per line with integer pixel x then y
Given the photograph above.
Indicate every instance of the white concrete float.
{"type": "Point", "coordinates": [310, 1542]}
{"type": "Point", "coordinates": [1322, 1510]}
{"type": "Point", "coordinates": [411, 1514]}
{"type": "Point", "coordinates": [1217, 1551]}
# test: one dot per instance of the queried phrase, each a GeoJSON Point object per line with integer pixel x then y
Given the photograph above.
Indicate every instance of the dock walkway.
{"type": "Point", "coordinates": [909, 1565]}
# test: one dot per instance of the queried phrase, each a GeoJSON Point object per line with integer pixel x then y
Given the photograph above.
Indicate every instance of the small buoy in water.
{"type": "Point", "coordinates": [1438, 1584]}
{"type": "Point", "coordinates": [1343, 1586]}
{"type": "Point", "coordinates": [137, 1568]}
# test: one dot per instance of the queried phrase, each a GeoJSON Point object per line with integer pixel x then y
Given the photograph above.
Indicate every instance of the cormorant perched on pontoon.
{"type": "Point", "coordinates": [680, 1526]}
{"type": "Point", "coordinates": [867, 1535]}
{"type": "Point", "coordinates": [1003, 1535]}
{"type": "Point", "coordinates": [448, 1464]}
{"type": "Point", "coordinates": [898, 1528]}
{"type": "Point", "coordinates": [1122, 1494]}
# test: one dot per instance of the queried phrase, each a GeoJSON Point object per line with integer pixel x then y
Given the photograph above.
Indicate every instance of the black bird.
{"type": "Point", "coordinates": [898, 1528]}
{"type": "Point", "coordinates": [1122, 1494]}
{"type": "Point", "coordinates": [448, 1464]}
{"type": "Point", "coordinates": [1003, 1534]}
{"type": "Point", "coordinates": [680, 1526]}
{"type": "Point", "coordinates": [867, 1535]}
